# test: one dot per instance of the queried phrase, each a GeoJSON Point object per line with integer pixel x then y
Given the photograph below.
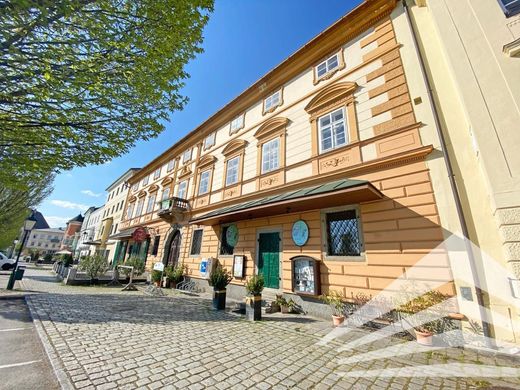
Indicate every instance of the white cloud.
{"type": "Point", "coordinates": [55, 221]}
{"type": "Point", "coordinates": [69, 205]}
{"type": "Point", "coordinates": [68, 174]}
{"type": "Point", "coordinates": [91, 193]}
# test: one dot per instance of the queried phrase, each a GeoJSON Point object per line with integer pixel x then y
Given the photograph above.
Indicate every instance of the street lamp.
{"type": "Point", "coordinates": [28, 225]}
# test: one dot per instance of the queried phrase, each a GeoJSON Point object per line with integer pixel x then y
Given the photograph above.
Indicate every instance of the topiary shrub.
{"type": "Point", "coordinates": [137, 263]}
{"type": "Point", "coordinates": [93, 266]}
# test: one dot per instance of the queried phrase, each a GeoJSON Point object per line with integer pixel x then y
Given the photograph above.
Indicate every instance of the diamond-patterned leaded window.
{"type": "Point", "coordinates": [196, 242]}
{"type": "Point", "coordinates": [343, 236]}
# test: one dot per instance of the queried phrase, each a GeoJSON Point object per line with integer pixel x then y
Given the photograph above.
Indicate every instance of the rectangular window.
{"type": "Point", "coordinates": [151, 203]}
{"type": "Point", "coordinates": [145, 180]}
{"type": "Point", "coordinates": [236, 124]}
{"type": "Point", "coordinates": [157, 174]}
{"type": "Point", "coordinates": [326, 66]}
{"type": "Point", "coordinates": [272, 101]}
{"type": "Point", "coordinates": [171, 165]}
{"type": "Point", "coordinates": [181, 192]}
{"type": "Point", "coordinates": [186, 156]}
{"type": "Point", "coordinates": [343, 235]}
{"type": "Point", "coordinates": [165, 193]}
{"type": "Point", "coordinates": [129, 211]}
{"type": "Point", "coordinates": [270, 155]}
{"type": "Point", "coordinates": [196, 242]}
{"type": "Point", "coordinates": [204, 182]}
{"type": "Point", "coordinates": [225, 248]}
{"type": "Point", "coordinates": [209, 141]}
{"type": "Point", "coordinates": [155, 248]}
{"type": "Point", "coordinates": [232, 170]}
{"type": "Point", "coordinates": [332, 130]}
{"type": "Point", "coordinates": [135, 187]}
{"type": "Point", "coordinates": [139, 208]}
{"type": "Point", "coordinates": [511, 7]}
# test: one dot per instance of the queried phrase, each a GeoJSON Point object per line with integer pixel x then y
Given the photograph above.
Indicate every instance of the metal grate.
{"type": "Point", "coordinates": [343, 234]}
{"type": "Point", "coordinates": [196, 242]}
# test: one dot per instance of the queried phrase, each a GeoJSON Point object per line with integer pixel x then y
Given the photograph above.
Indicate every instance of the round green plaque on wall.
{"type": "Point", "coordinates": [232, 235]}
{"type": "Point", "coordinates": [300, 232]}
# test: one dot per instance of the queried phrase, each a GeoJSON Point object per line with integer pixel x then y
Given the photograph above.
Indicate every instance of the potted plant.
{"type": "Point", "coordinates": [156, 277]}
{"type": "Point", "coordinates": [254, 287]}
{"type": "Point", "coordinates": [93, 266]}
{"type": "Point", "coordinates": [282, 303]}
{"type": "Point", "coordinates": [219, 279]}
{"type": "Point", "coordinates": [292, 307]}
{"type": "Point", "coordinates": [335, 300]}
{"type": "Point", "coordinates": [137, 263]}
{"type": "Point", "coordinates": [425, 313]}
{"type": "Point", "coordinates": [174, 275]}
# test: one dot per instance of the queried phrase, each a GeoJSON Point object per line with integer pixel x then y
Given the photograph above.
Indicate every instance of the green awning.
{"type": "Point", "coordinates": [332, 194]}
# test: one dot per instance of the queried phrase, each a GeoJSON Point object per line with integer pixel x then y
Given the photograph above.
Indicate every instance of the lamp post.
{"type": "Point", "coordinates": [28, 225]}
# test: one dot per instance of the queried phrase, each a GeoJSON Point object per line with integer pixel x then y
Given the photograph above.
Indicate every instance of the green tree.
{"type": "Point", "coordinates": [81, 80]}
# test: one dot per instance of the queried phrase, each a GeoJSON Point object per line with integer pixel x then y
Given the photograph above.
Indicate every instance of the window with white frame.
{"type": "Point", "coordinates": [196, 242]}
{"type": "Point", "coordinates": [139, 208]}
{"type": "Point", "coordinates": [271, 155]}
{"type": "Point", "coordinates": [135, 187]}
{"type": "Point", "coordinates": [171, 165]}
{"type": "Point", "coordinates": [232, 168]}
{"type": "Point", "coordinates": [145, 180]}
{"type": "Point", "coordinates": [236, 124]}
{"type": "Point", "coordinates": [511, 7]}
{"type": "Point", "coordinates": [165, 193]}
{"type": "Point", "coordinates": [150, 204]}
{"type": "Point", "coordinates": [326, 66]}
{"type": "Point", "coordinates": [181, 192]}
{"type": "Point", "coordinates": [130, 211]}
{"type": "Point", "coordinates": [204, 182]}
{"type": "Point", "coordinates": [332, 130]}
{"type": "Point", "coordinates": [272, 101]}
{"type": "Point", "coordinates": [343, 233]}
{"type": "Point", "coordinates": [157, 174]}
{"type": "Point", "coordinates": [209, 141]}
{"type": "Point", "coordinates": [186, 156]}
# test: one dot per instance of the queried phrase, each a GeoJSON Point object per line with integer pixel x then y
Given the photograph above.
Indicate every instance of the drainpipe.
{"type": "Point", "coordinates": [458, 204]}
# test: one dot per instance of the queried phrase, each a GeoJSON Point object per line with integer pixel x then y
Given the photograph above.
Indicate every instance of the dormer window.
{"type": "Point", "coordinates": [186, 156]}
{"type": "Point", "coordinates": [272, 101]}
{"type": "Point", "coordinates": [209, 141]}
{"type": "Point", "coordinates": [236, 124]}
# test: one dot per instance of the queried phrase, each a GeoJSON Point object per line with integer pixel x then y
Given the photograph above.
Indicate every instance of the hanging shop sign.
{"type": "Point", "coordinates": [238, 266]}
{"type": "Point", "coordinates": [139, 234]}
{"type": "Point", "coordinates": [232, 235]}
{"type": "Point", "coordinates": [300, 233]}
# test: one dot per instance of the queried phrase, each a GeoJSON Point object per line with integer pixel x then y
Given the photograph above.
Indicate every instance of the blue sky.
{"type": "Point", "coordinates": [243, 40]}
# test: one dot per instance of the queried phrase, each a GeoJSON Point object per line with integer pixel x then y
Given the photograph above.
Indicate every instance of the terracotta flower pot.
{"type": "Point", "coordinates": [284, 309]}
{"type": "Point", "coordinates": [158, 283]}
{"type": "Point", "coordinates": [423, 338]}
{"type": "Point", "coordinates": [338, 320]}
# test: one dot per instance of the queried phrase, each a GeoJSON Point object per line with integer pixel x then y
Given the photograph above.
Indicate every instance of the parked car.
{"type": "Point", "coordinates": [6, 263]}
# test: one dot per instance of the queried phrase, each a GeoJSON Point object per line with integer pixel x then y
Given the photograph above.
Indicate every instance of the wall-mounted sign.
{"type": "Point", "coordinates": [158, 267]}
{"type": "Point", "coordinates": [139, 234]}
{"type": "Point", "coordinates": [232, 235]}
{"type": "Point", "coordinates": [238, 266]}
{"type": "Point", "coordinates": [306, 275]}
{"type": "Point", "coordinates": [300, 233]}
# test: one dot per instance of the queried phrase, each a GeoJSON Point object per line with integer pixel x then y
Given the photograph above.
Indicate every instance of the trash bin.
{"type": "Point", "coordinates": [18, 275]}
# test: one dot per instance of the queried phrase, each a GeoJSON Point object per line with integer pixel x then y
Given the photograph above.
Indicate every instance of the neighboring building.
{"type": "Point", "coordinates": [113, 213]}
{"type": "Point", "coordinates": [69, 241]}
{"type": "Point", "coordinates": [471, 52]}
{"type": "Point", "coordinates": [88, 241]}
{"type": "Point", "coordinates": [45, 241]}
{"type": "Point", "coordinates": [340, 144]}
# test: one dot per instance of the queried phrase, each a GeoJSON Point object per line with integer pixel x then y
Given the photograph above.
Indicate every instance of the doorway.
{"type": "Point", "coordinates": [172, 249]}
{"type": "Point", "coordinates": [269, 258]}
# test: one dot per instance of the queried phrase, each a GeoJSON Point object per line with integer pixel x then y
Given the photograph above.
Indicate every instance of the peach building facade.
{"type": "Point", "coordinates": [326, 174]}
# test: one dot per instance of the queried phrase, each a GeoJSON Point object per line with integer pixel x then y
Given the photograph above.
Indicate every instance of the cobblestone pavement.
{"type": "Point", "coordinates": [102, 338]}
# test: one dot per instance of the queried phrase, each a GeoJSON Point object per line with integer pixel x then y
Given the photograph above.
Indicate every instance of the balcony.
{"type": "Point", "coordinates": [174, 210]}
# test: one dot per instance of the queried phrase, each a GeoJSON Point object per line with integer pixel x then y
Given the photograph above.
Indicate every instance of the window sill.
{"type": "Point", "coordinates": [512, 49]}
{"type": "Point", "coordinates": [326, 76]}
{"type": "Point", "coordinates": [356, 259]}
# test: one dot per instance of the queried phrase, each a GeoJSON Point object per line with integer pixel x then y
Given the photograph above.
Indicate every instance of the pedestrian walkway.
{"type": "Point", "coordinates": [102, 338]}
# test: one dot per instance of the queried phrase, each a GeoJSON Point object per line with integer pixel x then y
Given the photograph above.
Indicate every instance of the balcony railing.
{"type": "Point", "coordinates": [173, 208]}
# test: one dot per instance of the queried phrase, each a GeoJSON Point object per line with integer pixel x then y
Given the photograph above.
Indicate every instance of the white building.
{"type": "Point", "coordinates": [87, 243]}
{"type": "Point", "coordinates": [45, 241]}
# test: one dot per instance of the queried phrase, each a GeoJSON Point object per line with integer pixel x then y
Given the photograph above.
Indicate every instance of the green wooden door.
{"type": "Point", "coordinates": [269, 258]}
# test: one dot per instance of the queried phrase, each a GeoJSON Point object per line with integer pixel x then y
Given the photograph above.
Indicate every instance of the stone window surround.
{"type": "Point", "coordinates": [330, 73]}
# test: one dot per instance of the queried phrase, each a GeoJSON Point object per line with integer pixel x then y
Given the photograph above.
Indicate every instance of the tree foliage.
{"type": "Point", "coordinates": [81, 80]}
{"type": "Point", "coordinates": [15, 205]}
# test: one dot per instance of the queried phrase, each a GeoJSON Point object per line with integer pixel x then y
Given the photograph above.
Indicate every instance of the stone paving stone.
{"type": "Point", "coordinates": [107, 339]}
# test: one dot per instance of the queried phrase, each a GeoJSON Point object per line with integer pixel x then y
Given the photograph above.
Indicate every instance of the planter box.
{"type": "Point", "coordinates": [219, 299]}
{"type": "Point", "coordinates": [254, 308]}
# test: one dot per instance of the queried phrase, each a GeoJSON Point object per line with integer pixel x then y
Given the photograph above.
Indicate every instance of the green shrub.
{"type": "Point", "coordinates": [220, 278]}
{"type": "Point", "coordinates": [47, 258]}
{"type": "Point", "coordinates": [335, 300]}
{"type": "Point", "coordinates": [175, 274]}
{"type": "Point", "coordinates": [255, 285]}
{"type": "Point", "coordinates": [67, 260]}
{"type": "Point", "coordinates": [135, 262]}
{"type": "Point", "coordinates": [156, 275]}
{"type": "Point", "coordinates": [93, 266]}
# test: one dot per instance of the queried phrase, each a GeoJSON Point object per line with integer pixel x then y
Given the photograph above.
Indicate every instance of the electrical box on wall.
{"type": "Point", "coordinates": [206, 267]}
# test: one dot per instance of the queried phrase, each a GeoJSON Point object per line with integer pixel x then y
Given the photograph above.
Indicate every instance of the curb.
{"type": "Point", "coordinates": [57, 365]}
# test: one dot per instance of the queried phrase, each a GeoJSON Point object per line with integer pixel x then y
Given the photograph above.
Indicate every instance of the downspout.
{"type": "Point", "coordinates": [451, 177]}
